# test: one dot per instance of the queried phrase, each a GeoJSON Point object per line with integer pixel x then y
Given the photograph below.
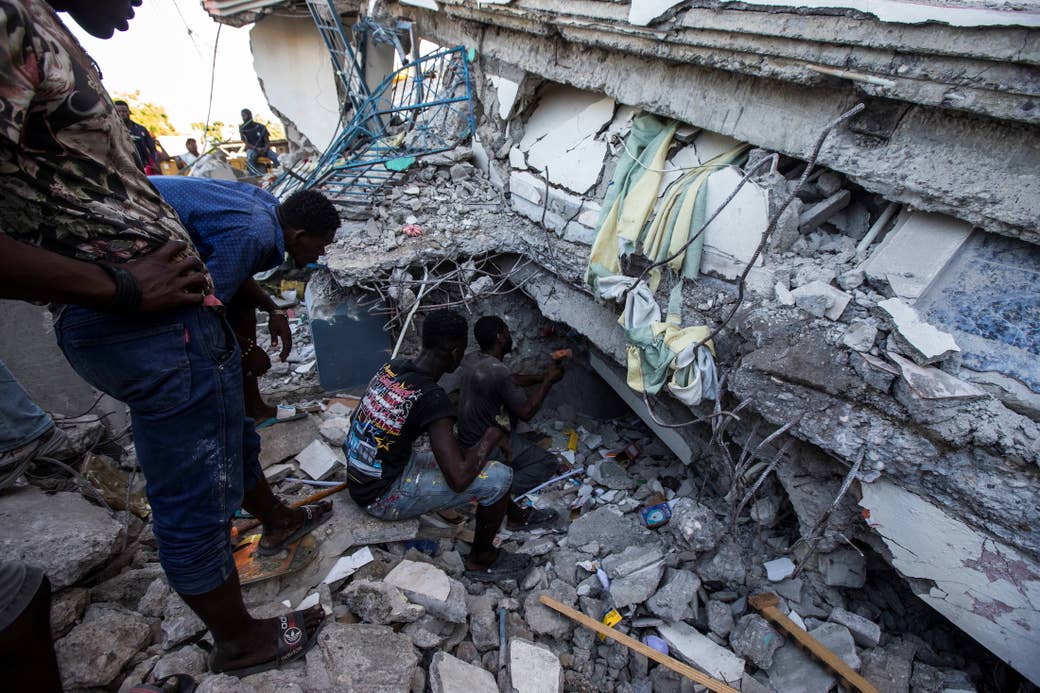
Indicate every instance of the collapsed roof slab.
{"type": "Point", "coordinates": [976, 168]}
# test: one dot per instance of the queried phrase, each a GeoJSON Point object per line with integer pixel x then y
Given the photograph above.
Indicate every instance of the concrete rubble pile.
{"type": "Point", "coordinates": [403, 616]}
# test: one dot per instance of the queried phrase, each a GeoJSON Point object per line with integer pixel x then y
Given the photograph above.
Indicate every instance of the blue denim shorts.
{"type": "Point", "coordinates": [422, 488]}
{"type": "Point", "coordinates": [180, 372]}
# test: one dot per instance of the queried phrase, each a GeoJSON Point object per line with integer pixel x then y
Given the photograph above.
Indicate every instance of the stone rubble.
{"type": "Point", "coordinates": [409, 620]}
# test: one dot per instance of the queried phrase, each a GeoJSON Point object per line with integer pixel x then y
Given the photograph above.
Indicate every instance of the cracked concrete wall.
{"type": "Point", "coordinates": [296, 75]}
{"type": "Point", "coordinates": [977, 168]}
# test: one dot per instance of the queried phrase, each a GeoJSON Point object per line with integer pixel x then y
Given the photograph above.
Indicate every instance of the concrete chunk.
{"type": "Point", "coordinates": [794, 671]}
{"type": "Point", "coordinates": [451, 675]}
{"type": "Point", "coordinates": [95, 651]}
{"type": "Point", "coordinates": [318, 460]}
{"type": "Point", "coordinates": [420, 578]}
{"type": "Point", "coordinates": [915, 251]}
{"type": "Point", "coordinates": [838, 639]}
{"type": "Point", "coordinates": [286, 440]}
{"type": "Point", "coordinates": [864, 631]}
{"type": "Point", "coordinates": [779, 569]}
{"type": "Point", "coordinates": [821, 299]}
{"type": "Point", "coordinates": [822, 211]}
{"type": "Point", "coordinates": [677, 600]}
{"type": "Point", "coordinates": [533, 669]}
{"type": "Point", "coordinates": [922, 342]}
{"type": "Point", "coordinates": [63, 534]}
{"type": "Point", "coordinates": [929, 382]}
{"type": "Point", "coordinates": [702, 652]}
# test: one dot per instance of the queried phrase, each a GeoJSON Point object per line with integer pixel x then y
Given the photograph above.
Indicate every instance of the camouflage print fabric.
{"type": "Point", "coordinates": [69, 181]}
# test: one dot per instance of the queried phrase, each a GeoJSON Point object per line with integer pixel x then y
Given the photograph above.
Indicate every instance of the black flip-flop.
{"type": "Point", "coordinates": [293, 643]}
{"type": "Point", "coordinates": [313, 522]}
{"type": "Point", "coordinates": [538, 517]}
{"type": "Point", "coordinates": [185, 684]}
{"type": "Point", "coordinates": [506, 566]}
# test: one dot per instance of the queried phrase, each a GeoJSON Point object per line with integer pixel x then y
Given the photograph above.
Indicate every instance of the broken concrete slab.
{"type": "Point", "coordinates": [361, 657]}
{"type": "Point", "coordinates": [545, 621]}
{"type": "Point", "coordinates": [720, 618]}
{"type": "Point", "coordinates": [921, 341]}
{"type": "Point", "coordinates": [737, 231]}
{"type": "Point", "coordinates": [506, 90]}
{"type": "Point", "coordinates": [677, 599]}
{"type": "Point", "coordinates": [533, 669]}
{"type": "Point", "coordinates": [985, 587]}
{"type": "Point", "coordinates": [838, 639]}
{"type": "Point", "coordinates": [794, 671]}
{"type": "Point", "coordinates": [779, 569]}
{"type": "Point", "coordinates": [865, 632]}
{"type": "Point", "coordinates": [562, 140]}
{"type": "Point", "coordinates": [451, 675]}
{"type": "Point", "coordinates": [860, 336]}
{"type": "Point", "coordinates": [695, 523]}
{"type": "Point", "coordinates": [318, 460]}
{"type": "Point", "coordinates": [645, 12]}
{"type": "Point", "coordinates": [95, 651]}
{"type": "Point", "coordinates": [635, 588]}
{"type": "Point", "coordinates": [607, 527]}
{"type": "Point", "coordinates": [753, 638]}
{"type": "Point", "coordinates": [62, 534]}
{"type": "Point", "coordinates": [67, 608]}
{"type": "Point", "coordinates": [915, 251]}
{"type": "Point", "coordinates": [821, 299]}
{"type": "Point", "coordinates": [379, 603]}
{"type": "Point", "coordinates": [420, 578]}
{"type": "Point", "coordinates": [179, 623]}
{"type": "Point", "coordinates": [928, 382]}
{"type": "Point", "coordinates": [189, 660]}
{"type": "Point", "coordinates": [127, 588]}
{"type": "Point", "coordinates": [820, 212]}
{"type": "Point", "coordinates": [702, 652]}
{"type": "Point", "coordinates": [285, 440]}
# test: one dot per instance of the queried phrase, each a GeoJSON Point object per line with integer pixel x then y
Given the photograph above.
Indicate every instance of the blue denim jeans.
{"type": "Point", "coordinates": [253, 154]}
{"type": "Point", "coordinates": [422, 488]}
{"type": "Point", "coordinates": [21, 421]}
{"type": "Point", "coordinates": [180, 372]}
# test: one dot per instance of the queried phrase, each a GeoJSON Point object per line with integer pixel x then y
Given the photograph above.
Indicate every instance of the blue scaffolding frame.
{"type": "Point", "coordinates": [422, 108]}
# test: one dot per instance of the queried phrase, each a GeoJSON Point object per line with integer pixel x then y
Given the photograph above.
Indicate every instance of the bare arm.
{"type": "Point", "coordinates": [460, 469]}
{"type": "Point", "coordinates": [535, 399]}
{"type": "Point", "coordinates": [29, 273]}
{"type": "Point", "coordinates": [277, 322]}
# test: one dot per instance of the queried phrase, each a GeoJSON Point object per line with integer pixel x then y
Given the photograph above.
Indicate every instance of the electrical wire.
{"type": "Point", "coordinates": [212, 83]}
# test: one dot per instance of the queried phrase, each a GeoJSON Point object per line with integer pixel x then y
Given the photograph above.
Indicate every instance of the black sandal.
{"type": "Point", "coordinates": [314, 520]}
{"type": "Point", "coordinates": [293, 643]}
{"type": "Point", "coordinates": [506, 566]}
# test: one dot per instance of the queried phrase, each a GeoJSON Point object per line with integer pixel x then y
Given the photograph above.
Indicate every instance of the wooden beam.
{"type": "Point", "coordinates": [643, 649]}
{"type": "Point", "coordinates": [766, 603]}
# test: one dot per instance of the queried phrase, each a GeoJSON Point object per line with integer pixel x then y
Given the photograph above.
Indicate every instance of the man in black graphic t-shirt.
{"type": "Point", "coordinates": [392, 481]}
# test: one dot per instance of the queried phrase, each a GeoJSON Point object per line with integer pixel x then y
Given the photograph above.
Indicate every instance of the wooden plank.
{"type": "Point", "coordinates": [643, 649]}
{"type": "Point", "coordinates": [766, 603]}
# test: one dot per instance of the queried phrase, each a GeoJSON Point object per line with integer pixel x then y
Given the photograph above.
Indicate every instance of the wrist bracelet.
{"type": "Point", "coordinates": [127, 297]}
{"type": "Point", "coordinates": [249, 348]}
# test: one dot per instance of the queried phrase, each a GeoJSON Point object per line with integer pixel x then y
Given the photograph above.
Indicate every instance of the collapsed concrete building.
{"type": "Point", "coordinates": [888, 324]}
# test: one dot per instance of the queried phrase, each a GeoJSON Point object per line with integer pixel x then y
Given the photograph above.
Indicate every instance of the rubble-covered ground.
{"type": "Point", "coordinates": [405, 618]}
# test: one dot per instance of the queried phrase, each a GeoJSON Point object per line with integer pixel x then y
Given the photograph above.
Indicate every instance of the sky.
{"type": "Point", "coordinates": [171, 67]}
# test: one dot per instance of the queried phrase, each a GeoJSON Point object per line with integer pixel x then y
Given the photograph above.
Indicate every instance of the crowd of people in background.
{"type": "Point", "coordinates": [255, 137]}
